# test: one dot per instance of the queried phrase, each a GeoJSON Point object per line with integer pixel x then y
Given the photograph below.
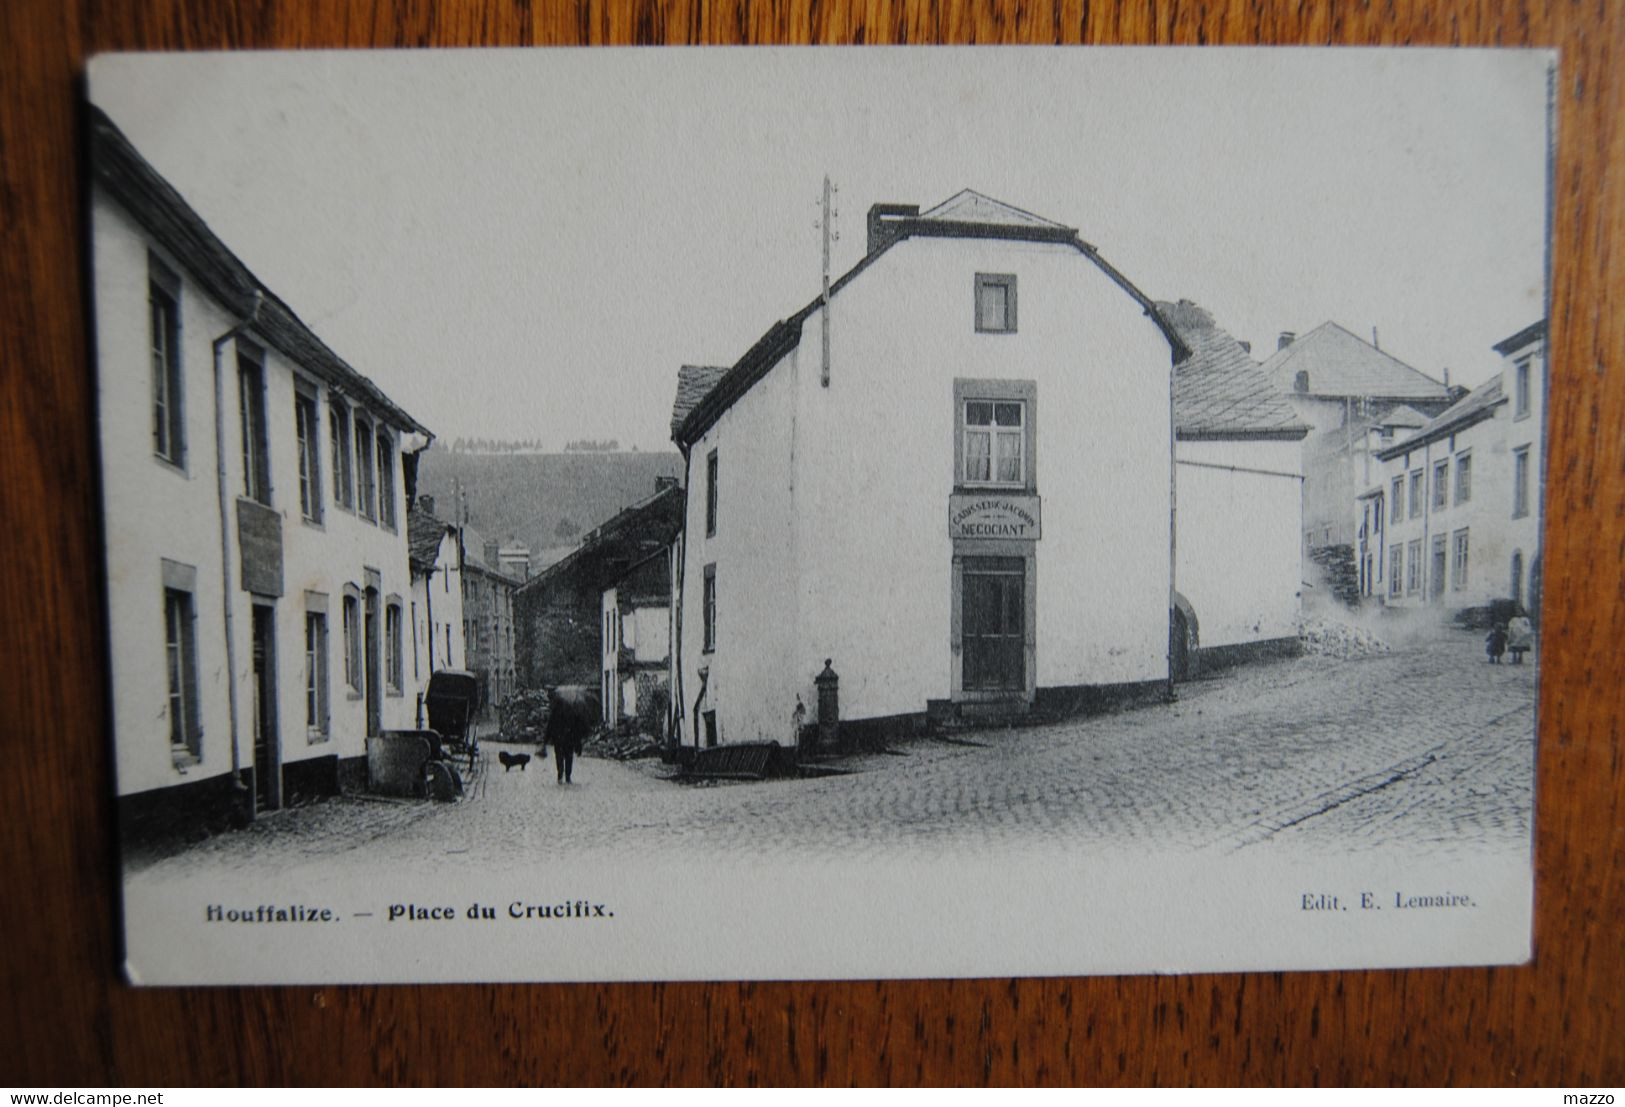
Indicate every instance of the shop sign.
{"type": "Point", "coordinates": [992, 515]}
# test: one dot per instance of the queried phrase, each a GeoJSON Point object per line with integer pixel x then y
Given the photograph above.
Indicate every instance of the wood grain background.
{"type": "Point", "coordinates": [67, 1019]}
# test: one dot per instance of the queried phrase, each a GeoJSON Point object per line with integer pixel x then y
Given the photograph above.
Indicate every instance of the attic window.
{"type": "Point", "coordinates": [995, 303]}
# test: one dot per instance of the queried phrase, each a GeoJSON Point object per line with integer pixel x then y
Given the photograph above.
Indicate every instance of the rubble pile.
{"type": "Point", "coordinates": [1332, 638]}
{"type": "Point", "coordinates": [620, 747]}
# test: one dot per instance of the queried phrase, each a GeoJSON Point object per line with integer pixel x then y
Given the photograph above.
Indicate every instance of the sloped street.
{"type": "Point", "coordinates": [1426, 748]}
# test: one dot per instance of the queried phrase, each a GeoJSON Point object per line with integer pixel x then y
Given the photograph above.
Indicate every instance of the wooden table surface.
{"type": "Point", "coordinates": [68, 1019]}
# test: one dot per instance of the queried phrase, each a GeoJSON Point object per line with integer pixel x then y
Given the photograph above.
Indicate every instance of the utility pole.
{"type": "Point", "coordinates": [829, 234]}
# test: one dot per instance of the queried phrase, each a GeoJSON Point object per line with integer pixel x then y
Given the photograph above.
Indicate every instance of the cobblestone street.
{"type": "Point", "coordinates": [1426, 749]}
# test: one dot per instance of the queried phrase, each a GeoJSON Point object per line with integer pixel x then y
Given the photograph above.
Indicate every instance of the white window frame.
{"type": "Point", "coordinates": [384, 446]}
{"type": "Point", "coordinates": [318, 686]}
{"type": "Point", "coordinates": [307, 423]}
{"type": "Point", "coordinates": [1005, 282]}
{"type": "Point", "coordinates": [1520, 482]}
{"type": "Point", "coordinates": [164, 344]}
{"type": "Point", "coordinates": [394, 648]}
{"type": "Point", "coordinates": [1459, 552]}
{"type": "Point", "coordinates": [340, 439]}
{"type": "Point", "coordinates": [182, 700]}
{"type": "Point", "coordinates": [1464, 476]}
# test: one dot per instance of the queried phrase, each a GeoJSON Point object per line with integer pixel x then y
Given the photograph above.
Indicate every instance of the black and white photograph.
{"type": "Point", "coordinates": [787, 513]}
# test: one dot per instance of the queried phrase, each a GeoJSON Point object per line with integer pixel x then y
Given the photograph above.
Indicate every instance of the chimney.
{"type": "Point", "coordinates": [427, 502]}
{"type": "Point", "coordinates": [664, 483]}
{"type": "Point", "coordinates": [882, 220]}
{"type": "Point", "coordinates": [1285, 340]}
{"type": "Point", "coordinates": [1447, 377]}
{"type": "Point", "coordinates": [491, 551]}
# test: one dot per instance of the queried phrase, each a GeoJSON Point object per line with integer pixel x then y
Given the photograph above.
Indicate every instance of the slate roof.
{"type": "Point", "coordinates": [608, 550]}
{"type": "Point", "coordinates": [693, 382]}
{"type": "Point", "coordinates": [1476, 406]}
{"type": "Point", "coordinates": [1219, 390]}
{"type": "Point", "coordinates": [155, 204]}
{"type": "Point", "coordinates": [966, 214]}
{"type": "Point", "coordinates": [1342, 364]}
{"type": "Point", "coordinates": [423, 534]}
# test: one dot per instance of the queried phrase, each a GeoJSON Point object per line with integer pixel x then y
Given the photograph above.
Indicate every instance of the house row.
{"type": "Point", "coordinates": [1452, 515]}
{"type": "Point", "coordinates": [982, 473]}
{"type": "Point", "coordinates": [264, 616]}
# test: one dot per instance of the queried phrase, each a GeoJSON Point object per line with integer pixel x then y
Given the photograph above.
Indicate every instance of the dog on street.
{"type": "Point", "coordinates": [509, 760]}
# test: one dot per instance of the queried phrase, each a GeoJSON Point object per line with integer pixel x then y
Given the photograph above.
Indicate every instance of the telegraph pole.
{"type": "Point", "coordinates": [824, 314]}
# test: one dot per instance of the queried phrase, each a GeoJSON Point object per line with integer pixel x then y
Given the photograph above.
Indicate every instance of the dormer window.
{"type": "Point", "coordinates": [995, 303]}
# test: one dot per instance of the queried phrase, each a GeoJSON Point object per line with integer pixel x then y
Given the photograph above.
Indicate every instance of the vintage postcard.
{"type": "Point", "coordinates": [773, 513]}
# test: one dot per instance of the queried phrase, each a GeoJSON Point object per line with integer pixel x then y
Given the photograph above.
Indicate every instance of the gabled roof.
{"type": "Point", "coordinates": [1475, 407]}
{"type": "Point", "coordinates": [155, 204]}
{"type": "Point", "coordinates": [424, 532]}
{"type": "Point", "coordinates": [1402, 416]}
{"type": "Point", "coordinates": [970, 206]}
{"type": "Point", "coordinates": [967, 214]}
{"type": "Point", "coordinates": [693, 383]}
{"type": "Point", "coordinates": [1219, 390]}
{"type": "Point", "coordinates": [1339, 364]}
{"type": "Point", "coordinates": [627, 538]}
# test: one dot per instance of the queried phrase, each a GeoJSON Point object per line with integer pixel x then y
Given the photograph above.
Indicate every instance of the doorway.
{"type": "Point", "coordinates": [1436, 581]}
{"type": "Point", "coordinates": [267, 747]}
{"type": "Point", "coordinates": [995, 624]}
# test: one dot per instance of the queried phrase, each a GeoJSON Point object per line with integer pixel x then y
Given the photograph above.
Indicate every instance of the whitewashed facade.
{"type": "Point", "coordinates": [438, 626]}
{"type": "Point", "coordinates": [1238, 497]}
{"type": "Point", "coordinates": [254, 496]}
{"type": "Point", "coordinates": [1456, 516]}
{"type": "Point", "coordinates": [973, 506]}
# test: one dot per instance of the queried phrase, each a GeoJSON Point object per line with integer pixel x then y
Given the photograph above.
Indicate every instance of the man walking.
{"type": "Point", "coordinates": [572, 714]}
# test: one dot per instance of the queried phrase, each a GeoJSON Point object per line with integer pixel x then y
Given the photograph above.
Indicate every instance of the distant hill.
{"type": "Point", "coordinates": [544, 500]}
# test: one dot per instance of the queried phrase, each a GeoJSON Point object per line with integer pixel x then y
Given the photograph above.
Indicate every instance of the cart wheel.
{"type": "Point", "coordinates": [444, 783]}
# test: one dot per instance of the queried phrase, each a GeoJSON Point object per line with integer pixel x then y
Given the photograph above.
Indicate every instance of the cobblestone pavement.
{"type": "Point", "coordinates": [1427, 748]}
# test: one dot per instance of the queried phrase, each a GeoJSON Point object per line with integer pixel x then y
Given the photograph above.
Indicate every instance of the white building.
{"type": "Point", "coordinates": [963, 499]}
{"type": "Point", "coordinates": [635, 688]}
{"type": "Point", "coordinates": [1455, 515]}
{"type": "Point", "coordinates": [1343, 386]}
{"type": "Point", "coordinates": [438, 626]}
{"type": "Point", "coordinates": [1238, 499]}
{"type": "Point", "coordinates": [256, 541]}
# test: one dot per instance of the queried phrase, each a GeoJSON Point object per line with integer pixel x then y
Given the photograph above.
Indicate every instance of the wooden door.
{"type": "Point", "coordinates": [994, 612]}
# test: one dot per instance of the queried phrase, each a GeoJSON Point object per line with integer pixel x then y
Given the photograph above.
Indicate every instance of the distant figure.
{"type": "Point", "coordinates": [1495, 643]}
{"type": "Point", "coordinates": [572, 714]}
{"type": "Point", "coordinates": [1520, 636]}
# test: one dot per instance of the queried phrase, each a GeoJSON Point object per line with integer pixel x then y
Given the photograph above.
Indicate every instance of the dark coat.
{"type": "Point", "coordinates": [572, 714]}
